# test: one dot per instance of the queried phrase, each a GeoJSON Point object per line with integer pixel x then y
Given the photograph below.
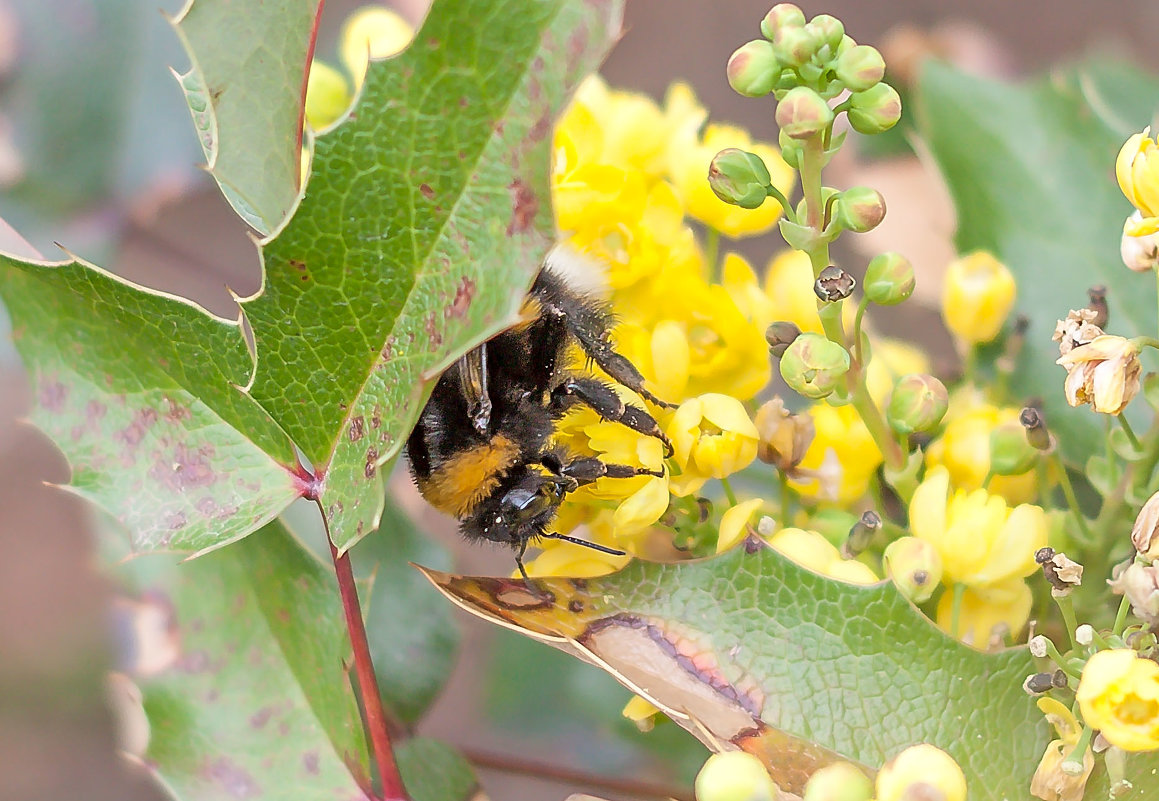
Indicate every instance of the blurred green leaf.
{"type": "Point", "coordinates": [254, 700]}
{"type": "Point", "coordinates": [798, 668]}
{"type": "Point", "coordinates": [434, 771]}
{"type": "Point", "coordinates": [1031, 171]}
{"type": "Point", "coordinates": [413, 636]}
{"type": "Point", "coordinates": [246, 89]}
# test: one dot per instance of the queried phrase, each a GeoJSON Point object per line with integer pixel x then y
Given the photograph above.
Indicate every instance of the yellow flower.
{"type": "Point", "coordinates": [811, 550]}
{"type": "Point", "coordinates": [712, 437]}
{"type": "Point", "coordinates": [842, 458]}
{"type": "Point", "coordinates": [987, 610]}
{"type": "Point", "coordinates": [1104, 373]}
{"type": "Point", "coordinates": [567, 559]}
{"type": "Point", "coordinates": [642, 712]}
{"type": "Point", "coordinates": [698, 341]}
{"type": "Point", "coordinates": [634, 131]}
{"type": "Point", "coordinates": [732, 523]}
{"type": "Point", "coordinates": [372, 32]}
{"type": "Point", "coordinates": [977, 296]}
{"type": "Point", "coordinates": [327, 95]}
{"type": "Point", "coordinates": [903, 777]}
{"type": "Point", "coordinates": [688, 160]}
{"type": "Point", "coordinates": [638, 502]}
{"type": "Point", "coordinates": [1119, 695]}
{"type": "Point", "coordinates": [981, 540]}
{"type": "Point", "coordinates": [964, 448]}
{"type": "Point", "coordinates": [1137, 169]}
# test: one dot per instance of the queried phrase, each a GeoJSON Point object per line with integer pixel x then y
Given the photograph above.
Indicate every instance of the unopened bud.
{"type": "Point", "coordinates": [889, 279]}
{"type": "Point", "coordinates": [1037, 433]}
{"type": "Point", "coordinates": [782, 437]}
{"type": "Point", "coordinates": [1098, 304]}
{"type": "Point", "coordinates": [860, 209]}
{"type": "Point", "coordinates": [860, 68]}
{"type": "Point", "coordinates": [1139, 583]}
{"type": "Point", "coordinates": [795, 45]}
{"type": "Point", "coordinates": [833, 284]}
{"type": "Point", "coordinates": [921, 772]}
{"type": "Point", "coordinates": [915, 567]}
{"type": "Point", "coordinates": [803, 113]}
{"type": "Point", "coordinates": [753, 68]}
{"type": "Point", "coordinates": [734, 776]}
{"type": "Point", "coordinates": [918, 403]}
{"type": "Point", "coordinates": [828, 29]}
{"type": "Point", "coordinates": [739, 177]}
{"type": "Point", "coordinates": [1139, 253]}
{"type": "Point", "coordinates": [1038, 683]}
{"type": "Point", "coordinates": [780, 335]}
{"type": "Point", "coordinates": [790, 150]}
{"type": "Point", "coordinates": [1011, 454]}
{"type": "Point", "coordinates": [840, 781]}
{"type": "Point", "coordinates": [782, 15]}
{"type": "Point", "coordinates": [861, 534]}
{"type": "Point", "coordinates": [814, 366]}
{"type": "Point", "coordinates": [1145, 533]}
{"type": "Point", "coordinates": [876, 109]}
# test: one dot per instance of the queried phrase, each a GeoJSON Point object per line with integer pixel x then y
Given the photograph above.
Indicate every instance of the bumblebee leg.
{"type": "Point", "coordinates": [607, 404]}
{"type": "Point", "coordinates": [588, 321]}
{"type": "Point", "coordinates": [519, 561]}
{"type": "Point", "coordinates": [587, 470]}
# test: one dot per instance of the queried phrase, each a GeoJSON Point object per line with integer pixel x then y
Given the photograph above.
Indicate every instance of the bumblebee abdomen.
{"type": "Point", "coordinates": [461, 482]}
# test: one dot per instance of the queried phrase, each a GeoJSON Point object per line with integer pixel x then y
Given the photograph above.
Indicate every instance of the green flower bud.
{"type": "Point", "coordinates": [918, 403]}
{"type": "Point", "coordinates": [795, 46]}
{"type": "Point", "coordinates": [790, 150]}
{"type": "Point", "coordinates": [814, 366]}
{"type": "Point", "coordinates": [753, 69]}
{"type": "Point", "coordinates": [780, 335]}
{"type": "Point", "coordinates": [828, 29]}
{"type": "Point", "coordinates": [915, 567]}
{"type": "Point", "coordinates": [846, 43]}
{"type": "Point", "coordinates": [875, 110]}
{"type": "Point", "coordinates": [1011, 454]}
{"type": "Point", "coordinates": [860, 209]}
{"type": "Point", "coordinates": [803, 113]}
{"type": "Point", "coordinates": [782, 15]}
{"type": "Point", "coordinates": [734, 776]}
{"type": "Point", "coordinates": [889, 279]}
{"type": "Point", "coordinates": [840, 781]}
{"type": "Point", "coordinates": [860, 67]}
{"type": "Point", "coordinates": [739, 177]}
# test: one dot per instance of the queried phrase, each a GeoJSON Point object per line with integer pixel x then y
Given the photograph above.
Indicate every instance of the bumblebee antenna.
{"type": "Point", "coordinates": [585, 543]}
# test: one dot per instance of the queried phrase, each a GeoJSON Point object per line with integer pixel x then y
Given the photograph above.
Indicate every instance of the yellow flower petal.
{"type": "Point", "coordinates": [732, 524]}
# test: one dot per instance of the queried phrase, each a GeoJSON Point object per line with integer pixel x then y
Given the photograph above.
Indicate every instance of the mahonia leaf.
{"type": "Point", "coordinates": [245, 90]}
{"type": "Point", "coordinates": [241, 660]}
{"type": "Point", "coordinates": [750, 650]}
{"type": "Point", "coordinates": [1031, 171]}
{"type": "Point", "coordinates": [425, 218]}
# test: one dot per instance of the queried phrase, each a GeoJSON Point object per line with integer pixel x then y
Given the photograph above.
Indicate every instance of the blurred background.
{"type": "Point", "coordinates": [97, 153]}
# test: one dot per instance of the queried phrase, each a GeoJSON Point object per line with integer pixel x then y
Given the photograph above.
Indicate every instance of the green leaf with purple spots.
{"type": "Point", "coordinates": [142, 392]}
{"type": "Point", "coordinates": [245, 89]}
{"type": "Point", "coordinates": [241, 659]}
{"type": "Point", "coordinates": [797, 668]}
{"type": "Point", "coordinates": [424, 220]}
{"type": "Point", "coordinates": [426, 215]}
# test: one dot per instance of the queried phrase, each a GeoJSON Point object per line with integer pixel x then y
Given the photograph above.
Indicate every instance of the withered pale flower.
{"type": "Point", "coordinates": [1145, 534]}
{"type": "Point", "coordinates": [1104, 373]}
{"type": "Point", "coordinates": [1077, 329]}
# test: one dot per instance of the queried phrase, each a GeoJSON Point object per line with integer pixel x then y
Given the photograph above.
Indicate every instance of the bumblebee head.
{"type": "Point", "coordinates": [524, 508]}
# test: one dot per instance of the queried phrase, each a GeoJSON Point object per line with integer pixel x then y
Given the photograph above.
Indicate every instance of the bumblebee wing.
{"type": "Point", "coordinates": [473, 384]}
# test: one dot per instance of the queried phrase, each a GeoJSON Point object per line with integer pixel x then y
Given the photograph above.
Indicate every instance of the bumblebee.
{"type": "Point", "coordinates": [482, 449]}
